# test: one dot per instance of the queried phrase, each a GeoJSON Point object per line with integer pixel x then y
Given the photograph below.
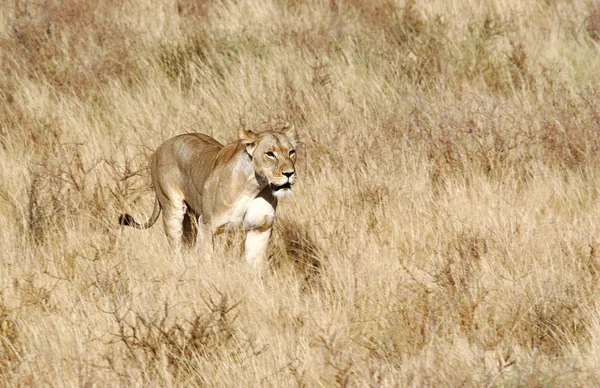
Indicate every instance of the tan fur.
{"type": "Point", "coordinates": [224, 186]}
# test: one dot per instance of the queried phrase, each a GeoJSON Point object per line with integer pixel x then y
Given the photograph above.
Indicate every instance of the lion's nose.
{"type": "Point", "coordinates": [288, 173]}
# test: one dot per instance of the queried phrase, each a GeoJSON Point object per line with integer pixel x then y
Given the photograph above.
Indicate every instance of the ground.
{"type": "Point", "coordinates": [444, 230]}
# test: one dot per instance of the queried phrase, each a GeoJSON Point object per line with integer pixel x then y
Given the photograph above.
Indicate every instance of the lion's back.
{"type": "Point", "coordinates": [183, 163]}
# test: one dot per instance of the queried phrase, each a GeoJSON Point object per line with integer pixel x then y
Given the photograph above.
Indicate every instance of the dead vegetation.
{"type": "Point", "coordinates": [444, 230]}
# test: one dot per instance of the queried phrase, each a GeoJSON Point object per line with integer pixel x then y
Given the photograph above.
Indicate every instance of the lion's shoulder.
{"type": "Point", "coordinates": [189, 148]}
{"type": "Point", "coordinates": [195, 141]}
{"type": "Point", "coordinates": [229, 153]}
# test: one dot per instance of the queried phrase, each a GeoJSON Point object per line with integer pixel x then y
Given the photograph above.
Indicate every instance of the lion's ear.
{"type": "Point", "coordinates": [289, 130]}
{"type": "Point", "coordinates": [249, 139]}
{"type": "Point", "coordinates": [247, 136]}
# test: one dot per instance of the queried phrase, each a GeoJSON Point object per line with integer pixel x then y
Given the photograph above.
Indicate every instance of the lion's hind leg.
{"type": "Point", "coordinates": [173, 216]}
{"type": "Point", "coordinates": [204, 237]}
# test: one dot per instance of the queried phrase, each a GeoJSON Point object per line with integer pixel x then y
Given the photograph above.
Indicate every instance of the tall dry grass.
{"type": "Point", "coordinates": [444, 230]}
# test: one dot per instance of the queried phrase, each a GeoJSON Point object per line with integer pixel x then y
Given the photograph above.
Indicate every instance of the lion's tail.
{"type": "Point", "coordinates": [127, 220]}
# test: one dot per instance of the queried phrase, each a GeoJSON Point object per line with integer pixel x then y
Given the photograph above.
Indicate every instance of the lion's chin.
{"type": "Point", "coordinates": [282, 191]}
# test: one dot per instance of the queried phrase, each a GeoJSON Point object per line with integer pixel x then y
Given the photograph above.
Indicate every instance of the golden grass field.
{"type": "Point", "coordinates": [445, 227]}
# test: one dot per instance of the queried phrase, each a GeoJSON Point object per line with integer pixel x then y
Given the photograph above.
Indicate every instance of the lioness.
{"type": "Point", "coordinates": [225, 186]}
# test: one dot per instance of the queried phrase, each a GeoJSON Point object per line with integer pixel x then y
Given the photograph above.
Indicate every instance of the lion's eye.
{"type": "Point", "coordinates": [292, 153]}
{"type": "Point", "coordinates": [270, 154]}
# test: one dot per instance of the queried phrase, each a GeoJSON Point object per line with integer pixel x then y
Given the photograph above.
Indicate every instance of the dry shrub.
{"type": "Point", "coordinates": [45, 202]}
{"type": "Point", "coordinates": [559, 320]}
{"type": "Point", "coordinates": [565, 140]}
{"type": "Point", "coordinates": [459, 277]}
{"type": "Point", "coordinates": [160, 340]}
{"type": "Point", "coordinates": [593, 21]}
{"type": "Point", "coordinates": [483, 61]}
{"type": "Point", "coordinates": [61, 185]}
{"type": "Point", "coordinates": [73, 45]}
{"type": "Point", "coordinates": [188, 62]}
{"type": "Point", "coordinates": [452, 304]}
{"type": "Point", "coordinates": [337, 359]}
{"type": "Point", "coordinates": [182, 61]}
{"type": "Point", "coordinates": [389, 18]}
{"type": "Point", "coordinates": [519, 72]}
{"type": "Point", "coordinates": [444, 225]}
{"type": "Point", "coordinates": [422, 43]}
{"type": "Point", "coordinates": [10, 342]}
{"type": "Point", "coordinates": [294, 246]}
{"type": "Point", "coordinates": [196, 10]}
{"type": "Point", "coordinates": [478, 139]}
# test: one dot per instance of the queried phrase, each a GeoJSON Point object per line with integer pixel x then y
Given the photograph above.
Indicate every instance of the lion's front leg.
{"type": "Point", "coordinates": [258, 221]}
{"type": "Point", "coordinates": [256, 245]}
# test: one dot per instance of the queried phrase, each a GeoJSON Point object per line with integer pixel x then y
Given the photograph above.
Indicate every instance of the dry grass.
{"type": "Point", "coordinates": [444, 230]}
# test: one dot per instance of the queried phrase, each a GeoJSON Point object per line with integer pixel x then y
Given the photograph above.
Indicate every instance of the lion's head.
{"type": "Point", "coordinates": [273, 155]}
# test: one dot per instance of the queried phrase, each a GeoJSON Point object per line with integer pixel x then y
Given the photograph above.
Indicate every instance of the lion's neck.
{"type": "Point", "coordinates": [241, 187]}
{"type": "Point", "coordinates": [243, 180]}
{"type": "Point", "coordinates": [244, 172]}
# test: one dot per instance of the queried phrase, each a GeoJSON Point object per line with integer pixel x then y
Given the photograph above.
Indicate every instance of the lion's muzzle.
{"type": "Point", "coordinates": [285, 186]}
{"type": "Point", "coordinates": [283, 189]}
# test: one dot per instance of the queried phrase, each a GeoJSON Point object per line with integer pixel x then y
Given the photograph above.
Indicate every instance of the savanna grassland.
{"type": "Point", "coordinates": [445, 227]}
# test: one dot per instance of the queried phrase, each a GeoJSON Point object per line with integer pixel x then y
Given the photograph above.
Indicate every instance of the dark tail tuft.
{"type": "Point", "coordinates": [127, 220]}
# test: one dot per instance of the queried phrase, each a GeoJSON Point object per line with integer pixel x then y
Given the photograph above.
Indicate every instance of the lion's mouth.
{"type": "Point", "coordinates": [286, 186]}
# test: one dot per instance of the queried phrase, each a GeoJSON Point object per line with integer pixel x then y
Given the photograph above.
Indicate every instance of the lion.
{"type": "Point", "coordinates": [225, 187]}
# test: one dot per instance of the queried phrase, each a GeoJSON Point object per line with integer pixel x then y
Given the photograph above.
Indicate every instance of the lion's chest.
{"type": "Point", "coordinates": [237, 213]}
{"type": "Point", "coordinates": [233, 216]}
{"type": "Point", "coordinates": [250, 212]}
